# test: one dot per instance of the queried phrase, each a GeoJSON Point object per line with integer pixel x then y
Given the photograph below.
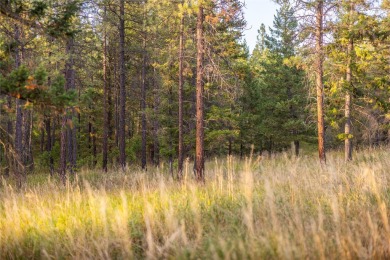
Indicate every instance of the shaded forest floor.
{"type": "Point", "coordinates": [259, 208]}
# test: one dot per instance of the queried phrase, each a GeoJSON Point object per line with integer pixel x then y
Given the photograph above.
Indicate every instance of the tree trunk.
{"type": "Point", "coordinates": [9, 137]}
{"type": "Point", "coordinates": [106, 108]}
{"type": "Point", "coordinates": [68, 133]}
{"type": "Point", "coordinates": [70, 85]}
{"type": "Point", "coordinates": [42, 143]}
{"type": "Point", "coordinates": [89, 133]}
{"type": "Point", "coordinates": [62, 169]}
{"type": "Point", "coordinates": [296, 147]}
{"type": "Point", "coordinates": [181, 84]}
{"type": "Point", "coordinates": [94, 148]}
{"type": "Point", "coordinates": [170, 114]}
{"type": "Point", "coordinates": [116, 98]}
{"type": "Point", "coordinates": [143, 106]}
{"type": "Point", "coordinates": [48, 133]}
{"type": "Point", "coordinates": [156, 125]}
{"type": "Point", "coordinates": [122, 88]}
{"type": "Point", "coordinates": [18, 143]}
{"type": "Point", "coordinates": [348, 98]}
{"type": "Point", "coordinates": [49, 141]}
{"type": "Point", "coordinates": [53, 140]}
{"type": "Point", "coordinates": [27, 149]}
{"type": "Point", "coordinates": [47, 123]}
{"type": "Point", "coordinates": [199, 99]}
{"type": "Point", "coordinates": [319, 80]}
{"type": "Point", "coordinates": [19, 140]}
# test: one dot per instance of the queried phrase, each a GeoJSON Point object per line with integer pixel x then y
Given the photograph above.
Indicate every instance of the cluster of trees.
{"type": "Point", "coordinates": [323, 67]}
{"type": "Point", "coordinates": [112, 83]}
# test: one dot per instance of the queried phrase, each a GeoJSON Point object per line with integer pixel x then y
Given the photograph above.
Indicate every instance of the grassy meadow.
{"type": "Point", "coordinates": [260, 208]}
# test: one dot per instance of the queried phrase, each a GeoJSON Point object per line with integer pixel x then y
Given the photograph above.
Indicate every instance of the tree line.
{"type": "Point", "coordinates": [115, 83]}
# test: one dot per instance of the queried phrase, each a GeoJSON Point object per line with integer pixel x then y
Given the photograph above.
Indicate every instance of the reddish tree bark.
{"type": "Point", "coordinates": [319, 80]}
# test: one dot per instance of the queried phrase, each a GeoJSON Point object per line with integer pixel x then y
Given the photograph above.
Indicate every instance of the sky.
{"type": "Point", "coordinates": [256, 13]}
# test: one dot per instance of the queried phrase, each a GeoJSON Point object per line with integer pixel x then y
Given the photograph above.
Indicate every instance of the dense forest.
{"type": "Point", "coordinates": [112, 84]}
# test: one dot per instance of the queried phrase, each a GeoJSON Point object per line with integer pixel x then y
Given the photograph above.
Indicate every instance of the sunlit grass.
{"type": "Point", "coordinates": [283, 207]}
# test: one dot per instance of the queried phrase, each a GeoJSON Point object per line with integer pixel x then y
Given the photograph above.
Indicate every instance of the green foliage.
{"type": "Point", "coordinates": [264, 99]}
{"type": "Point", "coordinates": [274, 99]}
{"type": "Point", "coordinates": [16, 80]}
{"type": "Point", "coordinates": [59, 96]}
{"type": "Point", "coordinates": [369, 85]}
{"type": "Point", "coordinates": [133, 148]}
{"type": "Point", "coordinates": [343, 136]}
{"type": "Point", "coordinates": [40, 76]}
{"type": "Point", "coordinates": [61, 23]}
{"type": "Point", "coordinates": [38, 9]}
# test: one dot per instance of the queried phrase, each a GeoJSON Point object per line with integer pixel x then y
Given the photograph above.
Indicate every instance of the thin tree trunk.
{"type": "Point", "coordinates": [47, 129]}
{"type": "Point", "coordinates": [170, 114]}
{"type": "Point", "coordinates": [19, 115]}
{"type": "Point", "coordinates": [27, 150]}
{"type": "Point", "coordinates": [47, 123]}
{"type": "Point", "coordinates": [62, 169]}
{"type": "Point", "coordinates": [122, 88]}
{"type": "Point", "coordinates": [199, 99]}
{"type": "Point", "coordinates": [53, 140]}
{"type": "Point", "coordinates": [181, 108]}
{"type": "Point", "coordinates": [19, 140]}
{"type": "Point", "coordinates": [116, 100]}
{"type": "Point", "coordinates": [9, 137]}
{"type": "Point", "coordinates": [106, 108]}
{"type": "Point", "coordinates": [48, 140]}
{"type": "Point", "coordinates": [89, 133]}
{"type": "Point", "coordinates": [42, 143]}
{"type": "Point", "coordinates": [156, 125]}
{"type": "Point", "coordinates": [296, 147]}
{"type": "Point", "coordinates": [348, 98]}
{"type": "Point", "coordinates": [67, 149]}
{"type": "Point", "coordinates": [319, 80]}
{"type": "Point", "coordinates": [70, 85]}
{"type": "Point", "coordinates": [143, 106]}
{"type": "Point", "coordinates": [94, 148]}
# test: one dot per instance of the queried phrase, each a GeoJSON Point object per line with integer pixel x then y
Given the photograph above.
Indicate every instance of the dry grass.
{"type": "Point", "coordinates": [281, 208]}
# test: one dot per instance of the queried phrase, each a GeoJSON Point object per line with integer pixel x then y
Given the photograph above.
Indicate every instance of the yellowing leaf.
{"type": "Point", "coordinates": [30, 87]}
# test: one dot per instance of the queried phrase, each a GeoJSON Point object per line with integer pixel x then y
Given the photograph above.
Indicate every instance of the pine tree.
{"type": "Point", "coordinates": [278, 89]}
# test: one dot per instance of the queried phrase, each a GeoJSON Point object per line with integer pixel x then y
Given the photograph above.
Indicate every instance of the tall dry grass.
{"type": "Point", "coordinates": [279, 208]}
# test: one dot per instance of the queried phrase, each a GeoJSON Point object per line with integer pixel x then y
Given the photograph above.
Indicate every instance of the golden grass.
{"type": "Point", "coordinates": [280, 208]}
